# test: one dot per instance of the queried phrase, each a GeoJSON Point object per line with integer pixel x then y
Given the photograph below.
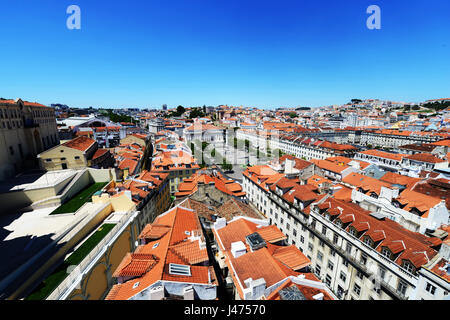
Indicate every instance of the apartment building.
{"type": "Point", "coordinates": [385, 160]}
{"type": "Point", "coordinates": [140, 139]}
{"type": "Point", "coordinates": [342, 260]}
{"type": "Point", "coordinates": [257, 265]}
{"type": "Point", "coordinates": [74, 154]}
{"type": "Point", "coordinates": [171, 262]}
{"type": "Point", "coordinates": [179, 165]}
{"type": "Point", "coordinates": [434, 280]}
{"type": "Point", "coordinates": [298, 146]}
{"type": "Point", "coordinates": [256, 182]}
{"type": "Point", "coordinates": [203, 180]}
{"type": "Point", "coordinates": [415, 211]}
{"type": "Point", "coordinates": [293, 167]}
{"type": "Point", "coordinates": [149, 192]}
{"type": "Point", "coordinates": [204, 132]}
{"type": "Point", "coordinates": [331, 170]}
{"type": "Point", "coordinates": [415, 163]}
{"type": "Point", "coordinates": [26, 129]}
{"type": "Point", "coordinates": [395, 138]}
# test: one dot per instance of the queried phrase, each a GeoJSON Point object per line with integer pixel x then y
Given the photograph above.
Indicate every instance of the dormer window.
{"type": "Point", "coordinates": [408, 266]}
{"type": "Point", "coordinates": [386, 252]}
{"type": "Point", "coordinates": [368, 241]}
{"type": "Point", "coordinates": [374, 195]}
{"type": "Point", "coordinates": [339, 223]}
{"type": "Point", "coordinates": [353, 231]}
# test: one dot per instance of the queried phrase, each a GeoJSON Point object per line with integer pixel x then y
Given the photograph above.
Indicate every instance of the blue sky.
{"type": "Point", "coordinates": [236, 52]}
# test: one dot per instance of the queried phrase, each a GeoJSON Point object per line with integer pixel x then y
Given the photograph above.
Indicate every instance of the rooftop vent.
{"type": "Point", "coordinates": [255, 241]}
{"type": "Point", "coordinates": [179, 269]}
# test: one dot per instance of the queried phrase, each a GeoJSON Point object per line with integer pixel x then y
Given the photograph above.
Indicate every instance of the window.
{"type": "Point", "coordinates": [335, 238]}
{"type": "Point", "coordinates": [332, 252]}
{"type": "Point", "coordinates": [360, 275]}
{"type": "Point", "coordinates": [402, 286]}
{"type": "Point", "coordinates": [353, 232]}
{"type": "Point", "coordinates": [294, 232]}
{"type": "Point", "coordinates": [386, 252]}
{"type": "Point", "coordinates": [340, 292]}
{"type": "Point", "coordinates": [328, 280]}
{"type": "Point", "coordinates": [77, 157]}
{"type": "Point", "coordinates": [382, 272]}
{"type": "Point", "coordinates": [368, 241]}
{"type": "Point", "coordinates": [302, 240]}
{"type": "Point", "coordinates": [363, 258]}
{"type": "Point", "coordinates": [11, 150]}
{"type": "Point", "coordinates": [357, 289]}
{"type": "Point", "coordinates": [430, 288]}
{"type": "Point", "coordinates": [310, 247]}
{"type": "Point", "coordinates": [343, 276]}
{"type": "Point", "coordinates": [287, 226]}
{"type": "Point", "coordinates": [324, 230]}
{"type": "Point", "coordinates": [345, 263]}
{"type": "Point", "coordinates": [321, 243]}
{"type": "Point", "coordinates": [317, 271]}
{"type": "Point", "coordinates": [319, 255]}
{"type": "Point", "coordinates": [48, 160]}
{"type": "Point", "coordinates": [408, 266]}
{"type": "Point", "coordinates": [330, 265]}
{"type": "Point", "coordinates": [348, 248]}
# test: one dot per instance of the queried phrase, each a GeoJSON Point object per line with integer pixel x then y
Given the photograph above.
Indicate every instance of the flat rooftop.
{"type": "Point", "coordinates": [36, 180]}
{"type": "Point", "coordinates": [25, 233]}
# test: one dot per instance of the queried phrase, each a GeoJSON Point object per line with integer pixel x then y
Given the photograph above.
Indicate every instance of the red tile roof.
{"type": "Point", "coordinates": [168, 240]}
{"type": "Point", "coordinates": [80, 143]}
{"type": "Point", "coordinates": [411, 246]}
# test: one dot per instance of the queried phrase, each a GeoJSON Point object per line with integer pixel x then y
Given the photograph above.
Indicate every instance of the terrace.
{"type": "Point", "coordinates": [74, 259]}
{"type": "Point", "coordinates": [79, 199]}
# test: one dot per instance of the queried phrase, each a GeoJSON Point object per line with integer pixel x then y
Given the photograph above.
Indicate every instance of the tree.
{"type": "Point", "coordinates": [355, 101]}
{"type": "Point", "coordinates": [196, 113]}
{"type": "Point", "coordinates": [180, 110]}
{"type": "Point", "coordinates": [292, 114]}
{"type": "Point", "coordinates": [416, 107]}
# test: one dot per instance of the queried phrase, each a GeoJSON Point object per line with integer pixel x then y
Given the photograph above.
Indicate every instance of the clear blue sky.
{"type": "Point", "coordinates": [236, 52]}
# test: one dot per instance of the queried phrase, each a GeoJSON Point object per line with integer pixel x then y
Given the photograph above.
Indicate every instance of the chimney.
{"type": "Point", "coordinates": [157, 293]}
{"type": "Point", "coordinates": [220, 223]}
{"type": "Point", "coordinates": [238, 249]}
{"type": "Point", "coordinates": [188, 293]}
{"type": "Point", "coordinates": [255, 289]}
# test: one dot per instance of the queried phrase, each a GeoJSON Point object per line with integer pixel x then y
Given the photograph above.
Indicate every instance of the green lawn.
{"type": "Point", "coordinates": [52, 281]}
{"type": "Point", "coordinates": [79, 199]}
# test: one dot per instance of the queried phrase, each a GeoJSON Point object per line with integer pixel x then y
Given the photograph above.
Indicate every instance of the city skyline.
{"type": "Point", "coordinates": [254, 54]}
